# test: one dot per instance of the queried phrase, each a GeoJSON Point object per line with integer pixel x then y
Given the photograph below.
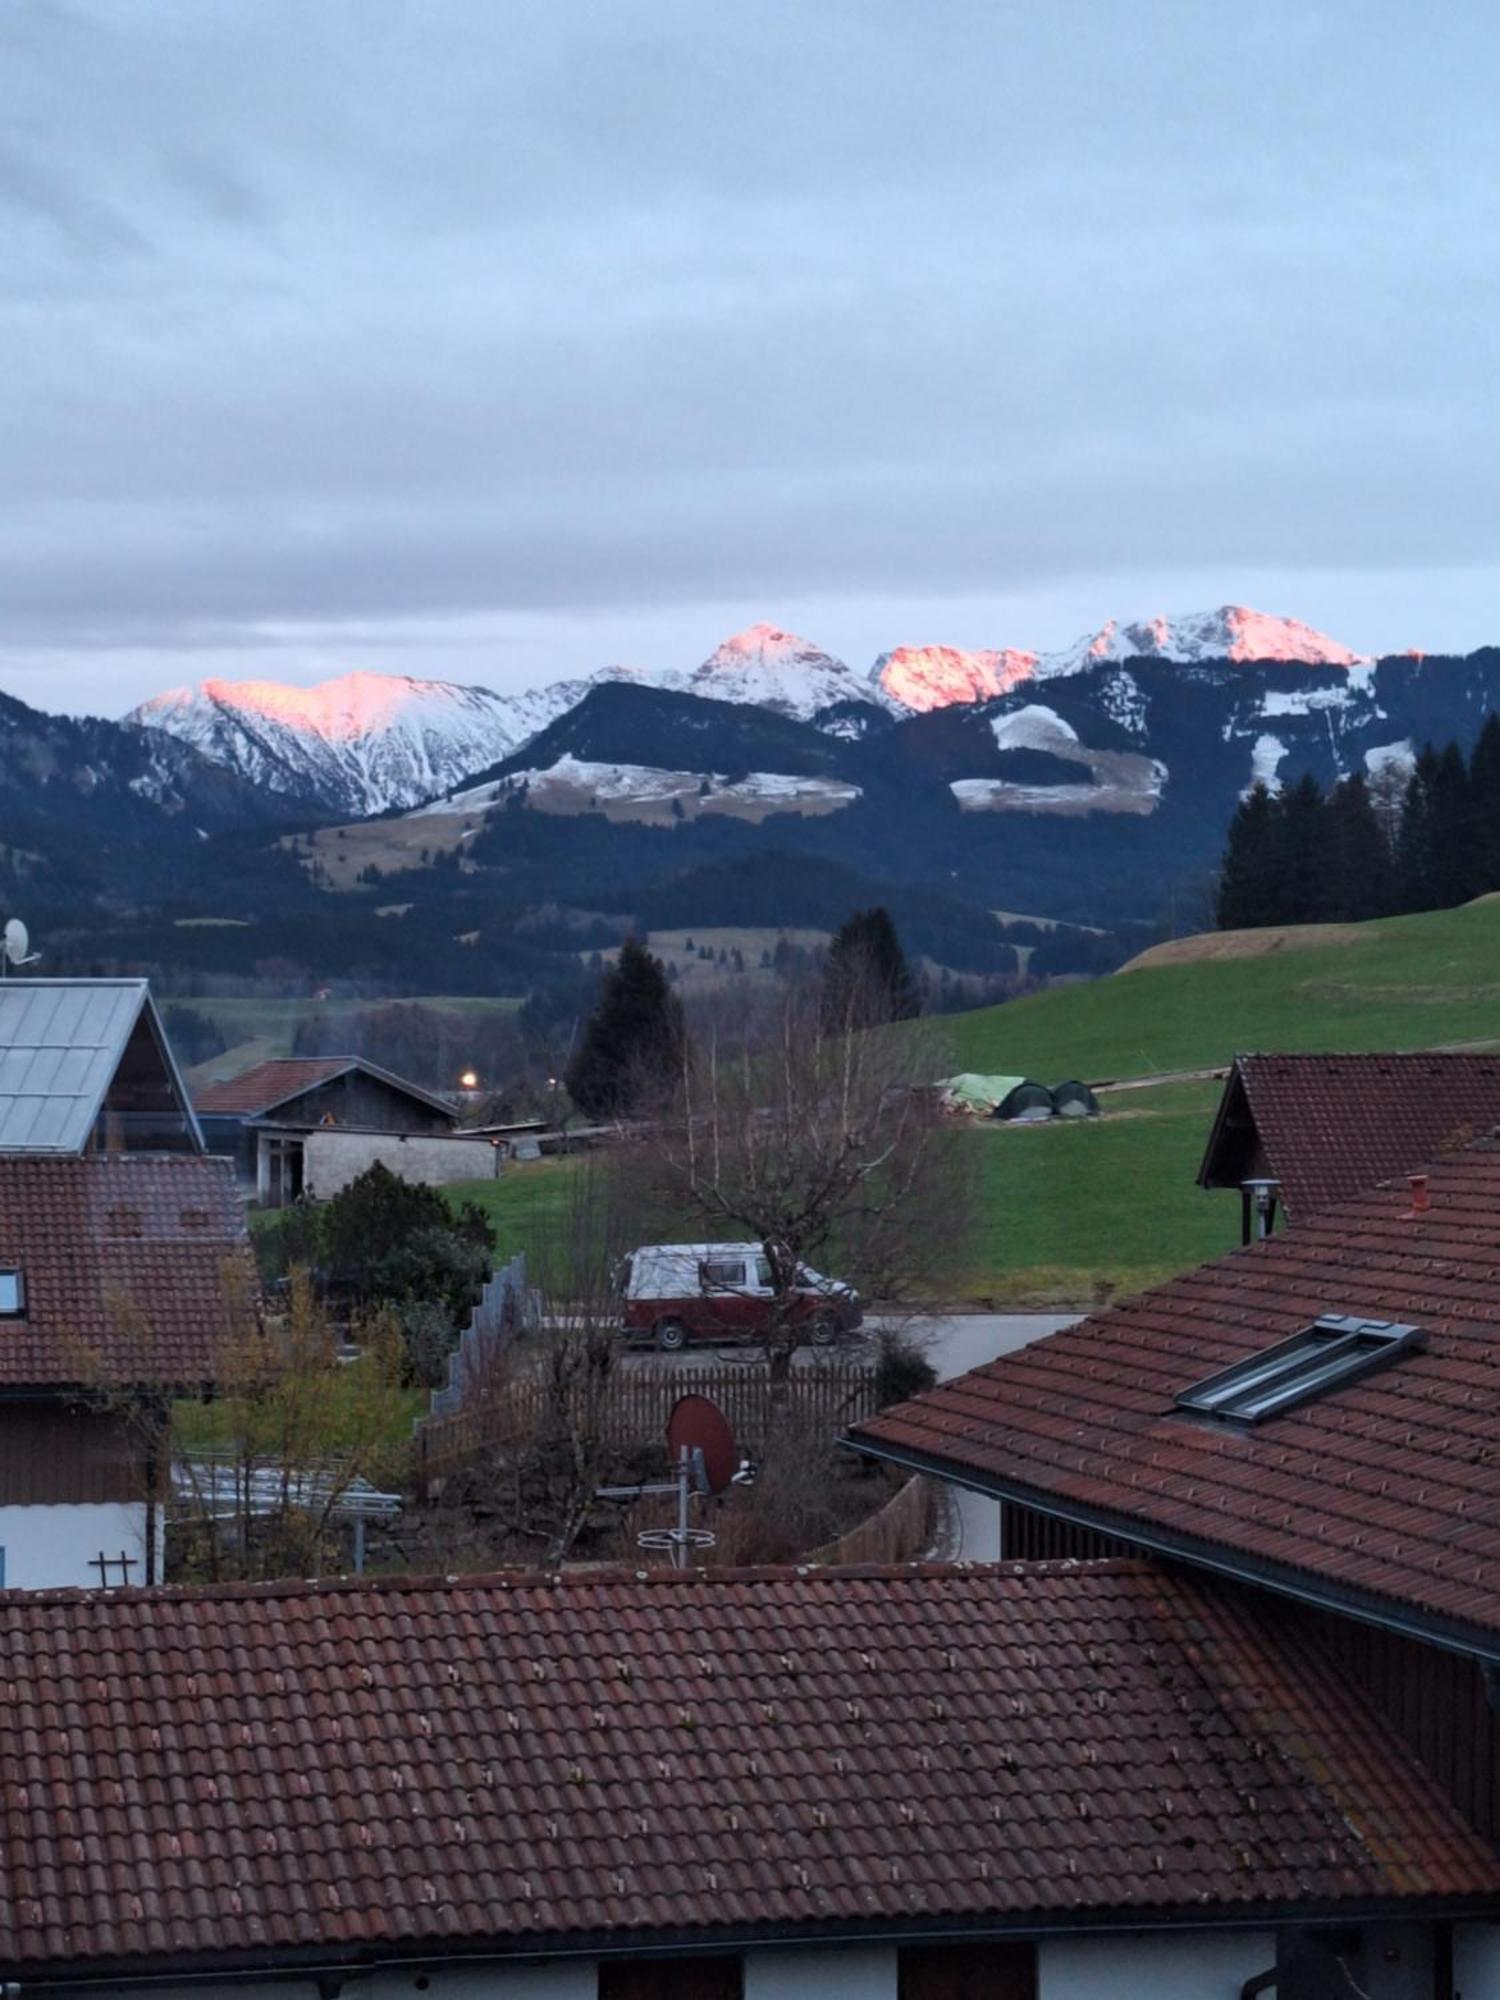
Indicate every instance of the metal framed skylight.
{"type": "Point", "coordinates": [12, 1292]}
{"type": "Point", "coordinates": [1334, 1351]}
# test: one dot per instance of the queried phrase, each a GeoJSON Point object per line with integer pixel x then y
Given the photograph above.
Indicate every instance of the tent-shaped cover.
{"type": "Point", "coordinates": [1074, 1100]}
{"type": "Point", "coordinates": [974, 1094]}
{"type": "Point", "coordinates": [1027, 1102]}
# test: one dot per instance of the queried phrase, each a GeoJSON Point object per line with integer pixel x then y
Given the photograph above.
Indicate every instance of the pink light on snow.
{"type": "Point", "coordinates": [928, 677]}
{"type": "Point", "coordinates": [338, 711]}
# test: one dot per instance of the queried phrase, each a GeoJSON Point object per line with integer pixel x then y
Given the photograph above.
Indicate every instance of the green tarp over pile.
{"type": "Point", "coordinates": [975, 1094]}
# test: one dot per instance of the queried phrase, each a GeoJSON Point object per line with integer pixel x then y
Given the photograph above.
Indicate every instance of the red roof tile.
{"type": "Point", "coordinates": [267, 1085]}
{"type": "Point", "coordinates": [127, 1263]}
{"type": "Point", "coordinates": [1388, 1489]}
{"type": "Point", "coordinates": [1333, 1125]}
{"type": "Point", "coordinates": [429, 1763]}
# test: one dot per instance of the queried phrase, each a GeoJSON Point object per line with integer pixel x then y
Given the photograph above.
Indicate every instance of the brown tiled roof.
{"type": "Point", "coordinates": [433, 1764]}
{"type": "Point", "coordinates": [127, 1265]}
{"type": "Point", "coordinates": [1386, 1492]}
{"type": "Point", "coordinates": [1334, 1125]}
{"type": "Point", "coordinates": [267, 1085]}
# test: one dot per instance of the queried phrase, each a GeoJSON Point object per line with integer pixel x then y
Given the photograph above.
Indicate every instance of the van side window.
{"type": "Point", "coordinates": [763, 1273]}
{"type": "Point", "coordinates": [723, 1274]}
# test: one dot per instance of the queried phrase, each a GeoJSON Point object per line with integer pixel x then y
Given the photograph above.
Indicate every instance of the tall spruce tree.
{"type": "Point", "coordinates": [1300, 846]}
{"type": "Point", "coordinates": [1415, 857]}
{"type": "Point", "coordinates": [1361, 869]}
{"type": "Point", "coordinates": [1484, 810]}
{"type": "Point", "coordinates": [866, 979]}
{"type": "Point", "coordinates": [633, 1044]}
{"type": "Point", "coordinates": [1450, 845]}
{"type": "Point", "coordinates": [1248, 896]}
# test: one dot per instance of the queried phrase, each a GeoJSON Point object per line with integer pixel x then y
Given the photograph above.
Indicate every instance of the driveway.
{"type": "Point", "coordinates": [957, 1345]}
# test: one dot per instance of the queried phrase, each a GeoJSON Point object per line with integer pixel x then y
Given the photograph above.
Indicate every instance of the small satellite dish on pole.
{"type": "Point", "coordinates": [15, 947]}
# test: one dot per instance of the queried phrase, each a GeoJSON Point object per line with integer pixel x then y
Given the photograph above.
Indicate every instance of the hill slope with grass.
{"type": "Point", "coordinates": [1399, 983]}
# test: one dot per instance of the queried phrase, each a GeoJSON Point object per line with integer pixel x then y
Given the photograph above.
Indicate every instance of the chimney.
{"type": "Point", "coordinates": [1420, 1202]}
{"type": "Point", "coordinates": [1258, 1209]}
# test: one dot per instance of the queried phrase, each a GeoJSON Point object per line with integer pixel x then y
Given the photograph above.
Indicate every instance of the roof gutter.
{"type": "Point", "coordinates": [1473, 1642]}
{"type": "Point", "coordinates": [329, 1971]}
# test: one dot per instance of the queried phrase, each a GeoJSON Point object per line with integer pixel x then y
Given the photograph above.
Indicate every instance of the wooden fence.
{"type": "Point", "coordinates": [898, 1533]}
{"type": "Point", "coordinates": [637, 1404]}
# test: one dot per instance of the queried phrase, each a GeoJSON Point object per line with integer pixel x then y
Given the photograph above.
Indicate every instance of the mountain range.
{"type": "Point", "coordinates": [401, 835]}
{"type": "Point", "coordinates": [368, 743]}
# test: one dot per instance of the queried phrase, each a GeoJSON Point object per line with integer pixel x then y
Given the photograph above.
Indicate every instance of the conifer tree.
{"type": "Point", "coordinates": [1247, 875]}
{"type": "Point", "coordinates": [633, 1044]}
{"type": "Point", "coordinates": [1300, 847]}
{"type": "Point", "coordinates": [1360, 864]}
{"type": "Point", "coordinates": [1414, 848]}
{"type": "Point", "coordinates": [866, 979]}
{"type": "Point", "coordinates": [1484, 810]}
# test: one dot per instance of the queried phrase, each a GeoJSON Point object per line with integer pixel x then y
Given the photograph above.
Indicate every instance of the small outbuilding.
{"type": "Point", "coordinates": [308, 1125]}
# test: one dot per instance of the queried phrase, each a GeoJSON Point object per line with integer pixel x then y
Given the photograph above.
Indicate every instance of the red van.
{"type": "Point", "coordinates": [682, 1294]}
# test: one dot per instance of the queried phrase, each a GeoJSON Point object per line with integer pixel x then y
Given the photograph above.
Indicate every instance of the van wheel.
{"type": "Point", "coordinates": [825, 1330]}
{"type": "Point", "coordinates": [671, 1336]}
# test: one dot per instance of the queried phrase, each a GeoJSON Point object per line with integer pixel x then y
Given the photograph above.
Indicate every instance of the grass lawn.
{"type": "Point", "coordinates": [1401, 983]}
{"type": "Point", "coordinates": [1058, 1209]}
{"type": "Point", "coordinates": [1063, 1209]}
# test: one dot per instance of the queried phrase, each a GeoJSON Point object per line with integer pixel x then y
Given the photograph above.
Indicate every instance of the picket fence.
{"type": "Point", "coordinates": [638, 1402]}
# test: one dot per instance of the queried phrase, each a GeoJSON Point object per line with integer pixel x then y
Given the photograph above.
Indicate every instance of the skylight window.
{"type": "Point", "coordinates": [1330, 1354]}
{"type": "Point", "coordinates": [12, 1292]}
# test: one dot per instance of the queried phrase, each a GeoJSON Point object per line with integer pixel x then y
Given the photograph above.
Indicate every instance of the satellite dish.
{"type": "Point", "coordinates": [16, 944]}
{"type": "Point", "coordinates": [701, 1428]}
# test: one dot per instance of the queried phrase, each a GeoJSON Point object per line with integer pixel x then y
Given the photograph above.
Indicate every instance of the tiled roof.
{"type": "Point", "coordinates": [126, 1261]}
{"type": "Point", "coordinates": [1334, 1125]}
{"type": "Point", "coordinates": [1386, 1492]}
{"type": "Point", "coordinates": [428, 1764]}
{"type": "Point", "coordinates": [267, 1085]}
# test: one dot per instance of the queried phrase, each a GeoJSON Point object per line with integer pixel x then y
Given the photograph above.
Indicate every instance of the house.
{"type": "Point", "coordinates": [308, 1125]}
{"type": "Point", "coordinates": [1313, 1421]}
{"type": "Point", "coordinates": [1031, 1782]}
{"type": "Point", "coordinates": [1324, 1127]}
{"type": "Point", "coordinates": [119, 1247]}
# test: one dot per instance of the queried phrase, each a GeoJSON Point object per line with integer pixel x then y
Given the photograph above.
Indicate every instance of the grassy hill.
{"type": "Point", "coordinates": [1401, 983]}
{"type": "Point", "coordinates": [1068, 1212]}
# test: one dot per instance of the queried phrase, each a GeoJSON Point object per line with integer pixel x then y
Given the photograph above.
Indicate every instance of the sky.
{"type": "Point", "coordinates": [496, 342]}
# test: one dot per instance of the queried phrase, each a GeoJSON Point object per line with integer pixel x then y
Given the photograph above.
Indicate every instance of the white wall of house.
{"type": "Point", "coordinates": [1476, 1961]}
{"type": "Point", "coordinates": [1166, 1965]}
{"type": "Point", "coordinates": [53, 1546]}
{"type": "Point", "coordinates": [333, 1156]}
{"type": "Point", "coordinates": [857, 1973]}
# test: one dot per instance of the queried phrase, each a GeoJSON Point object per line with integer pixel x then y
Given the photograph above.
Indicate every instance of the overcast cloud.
{"type": "Point", "coordinates": [495, 342]}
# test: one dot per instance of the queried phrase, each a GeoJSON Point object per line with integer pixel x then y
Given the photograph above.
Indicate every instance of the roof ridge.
{"type": "Point", "coordinates": [605, 1575]}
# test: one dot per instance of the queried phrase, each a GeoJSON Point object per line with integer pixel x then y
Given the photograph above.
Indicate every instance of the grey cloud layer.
{"type": "Point", "coordinates": [377, 311]}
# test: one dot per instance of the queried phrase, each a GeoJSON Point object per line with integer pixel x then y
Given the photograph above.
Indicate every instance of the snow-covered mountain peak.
{"type": "Point", "coordinates": [927, 677]}
{"type": "Point", "coordinates": [776, 669]}
{"type": "Point", "coordinates": [1233, 632]}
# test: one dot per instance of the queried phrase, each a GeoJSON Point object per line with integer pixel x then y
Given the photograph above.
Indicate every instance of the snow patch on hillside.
{"type": "Point", "coordinates": [1265, 759]}
{"type": "Point", "coordinates": [642, 784]}
{"type": "Point", "coordinates": [1032, 728]}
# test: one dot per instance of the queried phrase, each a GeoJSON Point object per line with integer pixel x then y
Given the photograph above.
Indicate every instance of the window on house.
{"type": "Point", "coordinates": [672, 1979]}
{"type": "Point", "coordinates": [12, 1292]}
{"type": "Point", "coordinates": [1330, 1354]}
{"type": "Point", "coordinates": [967, 1972]}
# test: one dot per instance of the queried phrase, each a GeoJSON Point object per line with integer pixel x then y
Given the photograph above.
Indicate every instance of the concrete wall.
{"type": "Point", "coordinates": [52, 1547]}
{"type": "Point", "coordinates": [1184, 1966]}
{"type": "Point", "coordinates": [332, 1158]}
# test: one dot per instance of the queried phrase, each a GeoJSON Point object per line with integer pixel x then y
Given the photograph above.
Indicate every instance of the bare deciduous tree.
{"type": "Point", "coordinates": [819, 1141]}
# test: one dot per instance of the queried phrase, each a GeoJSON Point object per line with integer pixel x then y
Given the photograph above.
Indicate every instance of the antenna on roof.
{"type": "Point", "coordinates": [15, 947]}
